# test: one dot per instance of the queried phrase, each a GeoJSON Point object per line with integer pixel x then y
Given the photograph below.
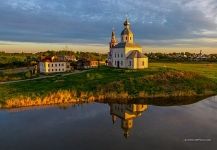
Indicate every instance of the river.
{"type": "Point", "coordinates": [110, 126]}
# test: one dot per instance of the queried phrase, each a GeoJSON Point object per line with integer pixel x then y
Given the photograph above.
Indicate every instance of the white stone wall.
{"type": "Point", "coordinates": [130, 63]}
{"type": "Point", "coordinates": [127, 38]}
{"type": "Point", "coordinates": [42, 67]}
{"type": "Point", "coordinates": [140, 63]}
{"type": "Point", "coordinates": [54, 67]}
{"type": "Point", "coordinates": [118, 57]}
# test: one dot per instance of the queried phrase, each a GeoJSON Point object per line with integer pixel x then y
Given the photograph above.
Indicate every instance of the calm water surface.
{"type": "Point", "coordinates": [112, 126]}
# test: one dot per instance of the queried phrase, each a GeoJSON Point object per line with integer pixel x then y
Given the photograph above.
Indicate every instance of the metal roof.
{"type": "Point", "coordinates": [123, 45]}
{"type": "Point", "coordinates": [136, 54]}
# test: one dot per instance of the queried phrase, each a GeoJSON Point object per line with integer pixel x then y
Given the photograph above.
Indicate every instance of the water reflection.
{"type": "Point", "coordinates": [129, 111]}
{"type": "Point", "coordinates": [69, 127]}
{"type": "Point", "coordinates": [126, 113]}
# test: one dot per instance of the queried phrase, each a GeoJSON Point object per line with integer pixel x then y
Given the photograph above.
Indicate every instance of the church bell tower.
{"type": "Point", "coordinates": [114, 41]}
{"type": "Point", "coordinates": [127, 35]}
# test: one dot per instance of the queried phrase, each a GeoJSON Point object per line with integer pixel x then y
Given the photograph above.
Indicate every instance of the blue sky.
{"type": "Point", "coordinates": [157, 24]}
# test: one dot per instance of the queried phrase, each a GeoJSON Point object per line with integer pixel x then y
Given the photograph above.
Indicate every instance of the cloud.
{"type": "Point", "coordinates": [67, 21]}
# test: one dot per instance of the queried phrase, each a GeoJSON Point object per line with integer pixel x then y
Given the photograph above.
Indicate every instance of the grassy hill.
{"type": "Point", "coordinates": [160, 80]}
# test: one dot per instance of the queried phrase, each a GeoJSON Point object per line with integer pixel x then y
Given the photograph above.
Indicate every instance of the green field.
{"type": "Point", "coordinates": [160, 79]}
{"type": "Point", "coordinates": [208, 70]}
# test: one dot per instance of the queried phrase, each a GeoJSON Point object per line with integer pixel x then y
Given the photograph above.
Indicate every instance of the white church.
{"type": "Point", "coordinates": [126, 54]}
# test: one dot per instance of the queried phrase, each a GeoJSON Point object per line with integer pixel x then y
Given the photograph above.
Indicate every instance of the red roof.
{"type": "Point", "coordinates": [47, 59]}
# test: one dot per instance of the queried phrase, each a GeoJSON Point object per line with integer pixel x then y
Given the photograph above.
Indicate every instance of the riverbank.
{"type": "Point", "coordinates": [108, 83]}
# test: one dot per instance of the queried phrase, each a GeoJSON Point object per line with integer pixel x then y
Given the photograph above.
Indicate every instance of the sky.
{"type": "Point", "coordinates": [158, 25]}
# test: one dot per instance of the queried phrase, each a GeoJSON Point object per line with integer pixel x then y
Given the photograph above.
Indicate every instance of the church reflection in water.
{"type": "Point", "coordinates": [127, 113]}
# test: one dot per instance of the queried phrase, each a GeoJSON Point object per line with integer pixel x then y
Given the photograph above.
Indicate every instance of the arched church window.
{"type": "Point", "coordinates": [130, 63]}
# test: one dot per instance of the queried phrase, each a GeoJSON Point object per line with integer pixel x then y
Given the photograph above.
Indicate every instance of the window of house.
{"type": "Point", "coordinates": [48, 65]}
{"type": "Point", "coordinates": [59, 70]}
{"type": "Point", "coordinates": [52, 65]}
{"type": "Point", "coordinates": [56, 69]}
{"type": "Point", "coordinates": [143, 63]}
{"type": "Point", "coordinates": [59, 64]}
{"type": "Point", "coordinates": [126, 38]}
{"type": "Point", "coordinates": [118, 55]}
{"type": "Point", "coordinates": [121, 63]}
{"type": "Point", "coordinates": [56, 65]}
{"type": "Point", "coordinates": [115, 55]}
{"type": "Point", "coordinates": [63, 69]}
{"type": "Point", "coordinates": [130, 38]}
{"type": "Point", "coordinates": [121, 55]}
{"type": "Point", "coordinates": [115, 62]}
{"type": "Point", "coordinates": [130, 63]}
{"type": "Point", "coordinates": [62, 64]}
{"type": "Point", "coordinates": [52, 70]}
{"type": "Point", "coordinates": [48, 70]}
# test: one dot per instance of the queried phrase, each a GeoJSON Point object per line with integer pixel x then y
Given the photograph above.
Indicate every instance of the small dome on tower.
{"type": "Point", "coordinates": [126, 23]}
{"type": "Point", "coordinates": [127, 29]}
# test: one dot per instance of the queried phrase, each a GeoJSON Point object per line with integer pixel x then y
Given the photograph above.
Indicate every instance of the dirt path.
{"type": "Point", "coordinates": [44, 77]}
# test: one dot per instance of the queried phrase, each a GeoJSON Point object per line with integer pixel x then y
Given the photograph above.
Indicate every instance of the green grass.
{"type": "Point", "coordinates": [5, 76]}
{"type": "Point", "coordinates": [153, 81]}
{"type": "Point", "coordinates": [208, 70]}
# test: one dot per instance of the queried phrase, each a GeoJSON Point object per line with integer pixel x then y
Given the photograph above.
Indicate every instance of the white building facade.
{"type": "Point", "coordinates": [52, 65]}
{"type": "Point", "coordinates": [126, 54]}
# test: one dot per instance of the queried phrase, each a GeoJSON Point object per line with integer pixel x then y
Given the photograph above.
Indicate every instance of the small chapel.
{"type": "Point", "coordinates": [126, 54]}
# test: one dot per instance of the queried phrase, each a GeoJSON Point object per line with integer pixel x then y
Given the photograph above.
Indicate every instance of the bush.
{"type": "Point", "coordinates": [28, 74]}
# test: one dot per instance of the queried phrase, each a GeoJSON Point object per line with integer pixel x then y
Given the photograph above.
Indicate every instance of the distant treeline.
{"type": "Point", "coordinates": [78, 55]}
{"type": "Point", "coordinates": [182, 57]}
{"type": "Point", "coordinates": [13, 60]}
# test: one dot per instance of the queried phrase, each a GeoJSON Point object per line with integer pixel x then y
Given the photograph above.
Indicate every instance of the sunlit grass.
{"type": "Point", "coordinates": [208, 70]}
